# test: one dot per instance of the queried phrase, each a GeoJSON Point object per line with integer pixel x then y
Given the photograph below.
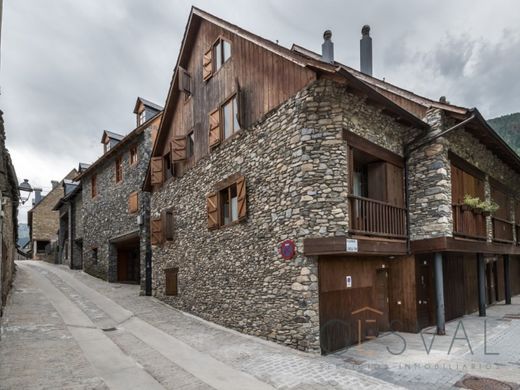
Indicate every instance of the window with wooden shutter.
{"type": "Point", "coordinates": [168, 225]}
{"type": "Point", "coordinates": [207, 64]}
{"type": "Point", "coordinates": [214, 128]}
{"type": "Point", "coordinates": [178, 148]}
{"type": "Point", "coordinates": [212, 208]}
{"type": "Point", "coordinates": [133, 203]}
{"type": "Point", "coordinates": [170, 285]}
{"type": "Point", "coordinates": [157, 170]}
{"type": "Point", "coordinates": [93, 185]}
{"type": "Point", "coordinates": [156, 231]}
{"type": "Point", "coordinates": [184, 81]}
{"type": "Point", "coordinates": [119, 169]}
{"type": "Point", "coordinates": [241, 195]}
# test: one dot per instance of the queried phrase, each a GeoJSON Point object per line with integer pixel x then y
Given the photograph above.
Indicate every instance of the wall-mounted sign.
{"type": "Point", "coordinates": [287, 249]}
{"type": "Point", "coordinates": [352, 245]}
{"type": "Point", "coordinates": [348, 281]}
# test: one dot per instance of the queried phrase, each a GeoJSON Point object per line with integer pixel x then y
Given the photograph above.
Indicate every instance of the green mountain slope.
{"type": "Point", "coordinates": [508, 126]}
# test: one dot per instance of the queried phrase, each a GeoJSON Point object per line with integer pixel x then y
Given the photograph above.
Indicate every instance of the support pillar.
{"type": "Point", "coordinates": [507, 280]}
{"type": "Point", "coordinates": [481, 270]}
{"type": "Point", "coordinates": [439, 294]}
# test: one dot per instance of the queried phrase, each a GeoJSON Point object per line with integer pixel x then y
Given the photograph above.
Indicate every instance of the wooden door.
{"type": "Point", "coordinates": [424, 318]}
{"type": "Point", "coordinates": [382, 298]}
{"type": "Point", "coordinates": [491, 282]}
{"type": "Point", "coordinates": [454, 294]}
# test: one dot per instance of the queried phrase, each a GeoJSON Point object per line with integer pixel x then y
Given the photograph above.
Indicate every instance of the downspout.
{"type": "Point", "coordinates": [407, 150]}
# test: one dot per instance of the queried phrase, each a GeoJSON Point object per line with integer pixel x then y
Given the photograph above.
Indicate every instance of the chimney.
{"type": "Point", "coordinates": [37, 196]}
{"type": "Point", "coordinates": [54, 184]}
{"type": "Point", "coordinates": [327, 48]}
{"type": "Point", "coordinates": [365, 45]}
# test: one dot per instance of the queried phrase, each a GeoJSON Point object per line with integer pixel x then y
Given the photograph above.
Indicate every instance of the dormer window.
{"type": "Point", "coordinates": [141, 118]}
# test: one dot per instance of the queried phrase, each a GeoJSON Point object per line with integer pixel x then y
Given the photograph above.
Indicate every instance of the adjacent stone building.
{"type": "Point", "coordinates": [299, 200]}
{"type": "Point", "coordinates": [44, 222]}
{"type": "Point", "coordinates": [70, 235]}
{"type": "Point", "coordinates": [114, 208]}
{"type": "Point", "coordinates": [9, 200]}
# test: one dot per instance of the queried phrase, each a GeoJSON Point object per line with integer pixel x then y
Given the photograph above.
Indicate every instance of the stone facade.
{"type": "Point", "coordinates": [106, 217]}
{"type": "Point", "coordinates": [70, 236]}
{"type": "Point", "coordinates": [44, 222]}
{"type": "Point", "coordinates": [430, 177]}
{"type": "Point", "coordinates": [9, 198]}
{"type": "Point", "coordinates": [296, 169]}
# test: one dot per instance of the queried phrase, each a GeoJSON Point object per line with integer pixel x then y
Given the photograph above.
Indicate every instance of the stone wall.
{"type": "Point", "coordinates": [105, 217]}
{"type": "Point", "coordinates": [295, 165]}
{"type": "Point", "coordinates": [8, 250]}
{"type": "Point", "coordinates": [77, 231]}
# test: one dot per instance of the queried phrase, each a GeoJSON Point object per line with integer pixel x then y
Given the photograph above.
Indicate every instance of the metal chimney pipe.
{"type": "Point", "coordinates": [365, 45]}
{"type": "Point", "coordinates": [327, 48]}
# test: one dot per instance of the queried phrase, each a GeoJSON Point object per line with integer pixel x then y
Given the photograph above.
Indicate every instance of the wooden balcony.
{"type": "Point", "coordinates": [503, 230]}
{"type": "Point", "coordinates": [468, 224]}
{"type": "Point", "coordinates": [372, 217]}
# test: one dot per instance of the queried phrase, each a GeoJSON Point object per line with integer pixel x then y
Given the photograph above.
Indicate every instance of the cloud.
{"type": "Point", "coordinates": [71, 69]}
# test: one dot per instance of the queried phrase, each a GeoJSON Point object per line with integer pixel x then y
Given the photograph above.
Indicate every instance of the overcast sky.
{"type": "Point", "coordinates": [70, 69]}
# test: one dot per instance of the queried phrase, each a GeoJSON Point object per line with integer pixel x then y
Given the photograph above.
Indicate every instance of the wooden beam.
{"type": "Point", "coordinates": [450, 244]}
{"type": "Point", "coordinates": [366, 246]}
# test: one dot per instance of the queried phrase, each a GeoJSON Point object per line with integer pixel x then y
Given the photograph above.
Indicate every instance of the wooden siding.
{"type": "Point", "coordinates": [265, 79]}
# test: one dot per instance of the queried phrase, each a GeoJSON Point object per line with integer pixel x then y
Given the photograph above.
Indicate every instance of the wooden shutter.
{"type": "Point", "coordinates": [133, 203]}
{"type": "Point", "coordinates": [157, 170]}
{"type": "Point", "coordinates": [178, 148]}
{"type": "Point", "coordinates": [214, 128]}
{"type": "Point", "coordinates": [156, 231]}
{"type": "Point", "coordinates": [240, 104]}
{"type": "Point", "coordinates": [167, 217]}
{"type": "Point", "coordinates": [184, 81]}
{"type": "Point", "coordinates": [241, 195]}
{"type": "Point", "coordinates": [207, 64]}
{"type": "Point", "coordinates": [170, 275]}
{"type": "Point", "coordinates": [212, 206]}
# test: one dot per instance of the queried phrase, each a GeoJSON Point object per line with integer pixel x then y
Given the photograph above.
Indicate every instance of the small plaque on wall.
{"type": "Point", "coordinates": [352, 245]}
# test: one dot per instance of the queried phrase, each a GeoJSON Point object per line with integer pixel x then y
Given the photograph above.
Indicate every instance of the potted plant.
{"type": "Point", "coordinates": [470, 203]}
{"type": "Point", "coordinates": [488, 207]}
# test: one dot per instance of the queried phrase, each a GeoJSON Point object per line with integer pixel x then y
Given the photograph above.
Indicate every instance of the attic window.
{"type": "Point", "coordinates": [141, 118]}
{"type": "Point", "coordinates": [222, 52]}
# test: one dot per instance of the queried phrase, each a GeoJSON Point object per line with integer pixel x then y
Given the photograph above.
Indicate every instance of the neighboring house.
{"type": "Point", "coordinates": [23, 235]}
{"type": "Point", "coordinates": [114, 208]}
{"type": "Point", "coordinates": [294, 198]}
{"type": "Point", "coordinates": [70, 235]}
{"type": "Point", "coordinates": [43, 220]}
{"type": "Point", "coordinates": [9, 200]}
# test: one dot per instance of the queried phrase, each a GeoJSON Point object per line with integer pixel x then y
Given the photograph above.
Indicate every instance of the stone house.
{"type": "Point", "coordinates": [297, 199]}
{"type": "Point", "coordinates": [43, 220]}
{"type": "Point", "coordinates": [9, 200]}
{"type": "Point", "coordinates": [114, 208]}
{"type": "Point", "coordinates": [70, 234]}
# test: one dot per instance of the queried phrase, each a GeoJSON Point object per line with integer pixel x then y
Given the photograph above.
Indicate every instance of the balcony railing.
{"type": "Point", "coordinates": [375, 218]}
{"type": "Point", "coordinates": [468, 224]}
{"type": "Point", "coordinates": [502, 230]}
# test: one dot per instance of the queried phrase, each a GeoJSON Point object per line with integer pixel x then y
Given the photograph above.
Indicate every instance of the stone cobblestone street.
{"type": "Point", "coordinates": [66, 329]}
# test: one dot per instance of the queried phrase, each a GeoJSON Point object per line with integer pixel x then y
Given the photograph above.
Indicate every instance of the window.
{"type": "Point", "coordinates": [190, 144]}
{"type": "Point", "coordinates": [141, 118]}
{"type": "Point", "coordinates": [224, 121]}
{"type": "Point", "coordinates": [215, 57]}
{"type": "Point", "coordinates": [157, 170]}
{"type": "Point", "coordinates": [107, 146]}
{"type": "Point", "coordinates": [94, 255]}
{"type": "Point", "coordinates": [230, 117]}
{"type": "Point", "coordinates": [184, 82]}
{"type": "Point", "coordinates": [133, 155]}
{"type": "Point", "coordinates": [168, 166]}
{"type": "Point", "coordinates": [133, 203]}
{"type": "Point", "coordinates": [156, 230]}
{"type": "Point", "coordinates": [168, 224]}
{"type": "Point", "coordinates": [119, 170]}
{"type": "Point", "coordinates": [221, 53]}
{"type": "Point", "coordinates": [228, 205]}
{"type": "Point", "coordinates": [93, 185]}
{"type": "Point", "coordinates": [170, 285]}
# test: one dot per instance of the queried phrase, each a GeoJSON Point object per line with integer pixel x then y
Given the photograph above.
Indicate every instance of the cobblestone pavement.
{"type": "Point", "coordinates": [61, 329]}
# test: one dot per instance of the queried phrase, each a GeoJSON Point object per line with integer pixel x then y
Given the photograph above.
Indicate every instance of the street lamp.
{"type": "Point", "coordinates": [25, 187]}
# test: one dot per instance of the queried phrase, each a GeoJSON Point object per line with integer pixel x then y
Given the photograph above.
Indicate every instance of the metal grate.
{"type": "Point", "coordinates": [479, 383]}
